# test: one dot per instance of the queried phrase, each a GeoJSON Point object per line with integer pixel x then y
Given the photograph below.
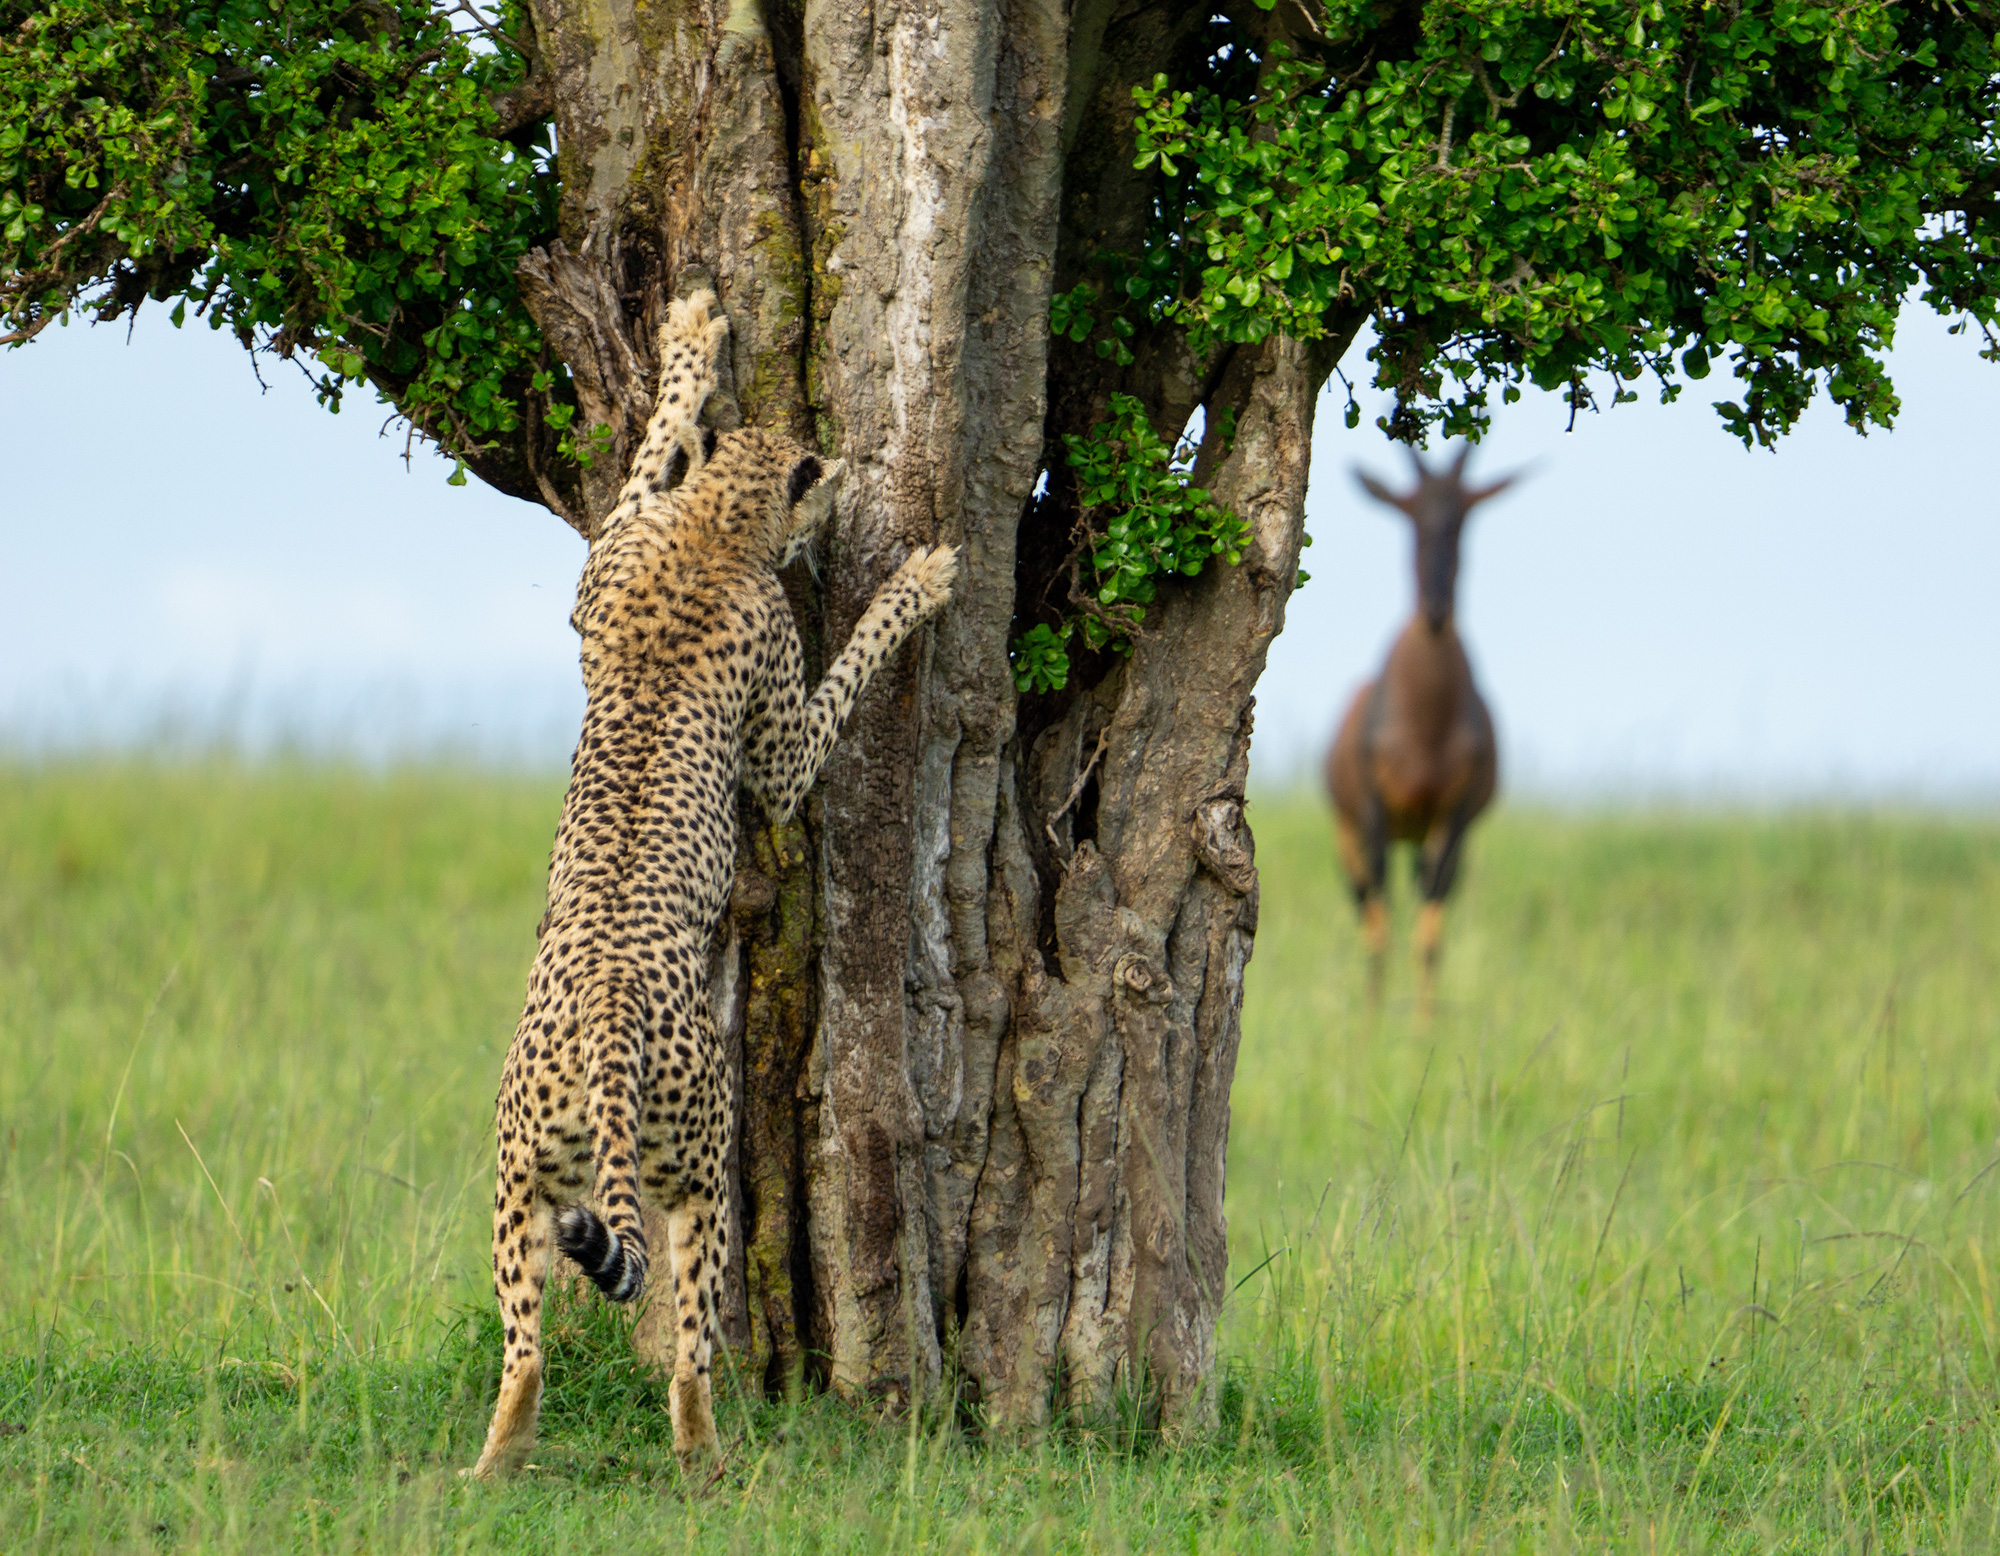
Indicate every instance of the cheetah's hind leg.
{"type": "Point", "coordinates": [522, 1245]}
{"type": "Point", "coordinates": [696, 1236]}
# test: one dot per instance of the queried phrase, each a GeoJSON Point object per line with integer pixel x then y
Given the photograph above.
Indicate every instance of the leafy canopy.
{"type": "Point", "coordinates": [1540, 189]}
{"type": "Point", "coordinates": [311, 173]}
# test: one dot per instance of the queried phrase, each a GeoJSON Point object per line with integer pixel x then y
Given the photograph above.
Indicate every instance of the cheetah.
{"type": "Point", "coordinates": [615, 1084]}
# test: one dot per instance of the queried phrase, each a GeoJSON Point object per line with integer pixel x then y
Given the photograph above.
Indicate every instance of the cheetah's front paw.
{"type": "Point", "coordinates": [690, 340]}
{"type": "Point", "coordinates": [929, 574]}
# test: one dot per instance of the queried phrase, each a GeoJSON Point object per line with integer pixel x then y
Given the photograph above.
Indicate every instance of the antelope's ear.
{"type": "Point", "coordinates": [1479, 494]}
{"type": "Point", "coordinates": [1379, 492]}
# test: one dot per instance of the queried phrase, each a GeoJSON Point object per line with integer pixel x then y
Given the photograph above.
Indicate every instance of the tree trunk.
{"type": "Point", "coordinates": [984, 997]}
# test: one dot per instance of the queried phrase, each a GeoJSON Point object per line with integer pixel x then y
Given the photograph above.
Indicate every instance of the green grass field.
{"type": "Point", "coordinates": [1671, 1231]}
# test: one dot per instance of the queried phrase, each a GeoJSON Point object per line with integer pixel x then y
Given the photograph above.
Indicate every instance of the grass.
{"type": "Point", "coordinates": [1672, 1231]}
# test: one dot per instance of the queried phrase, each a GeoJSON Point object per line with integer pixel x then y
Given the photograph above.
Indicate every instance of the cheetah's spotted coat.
{"type": "Point", "coordinates": [615, 1083]}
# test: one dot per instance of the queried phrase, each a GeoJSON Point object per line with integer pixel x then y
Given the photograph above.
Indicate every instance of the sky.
{"type": "Point", "coordinates": [1653, 611]}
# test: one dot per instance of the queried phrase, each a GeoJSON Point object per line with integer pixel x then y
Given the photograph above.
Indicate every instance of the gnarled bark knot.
{"type": "Point", "coordinates": [1223, 843]}
{"type": "Point", "coordinates": [1135, 973]}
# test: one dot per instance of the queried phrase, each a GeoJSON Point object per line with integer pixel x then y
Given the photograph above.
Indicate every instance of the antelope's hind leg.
{"type": "Point", "coordinates": [1364, 854]}
{"type": "Point", "coordinates": [1437, 871]}
{"type": "Point", "coordinates": [523, 1243]}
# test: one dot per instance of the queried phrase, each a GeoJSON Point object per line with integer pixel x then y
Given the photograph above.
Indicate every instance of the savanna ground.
{"type": "Point", "coordinates": [1672, 1231]}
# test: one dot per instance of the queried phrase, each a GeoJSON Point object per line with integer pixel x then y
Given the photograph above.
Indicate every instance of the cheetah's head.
{"type": "Point", "coordinates": [809, 493]}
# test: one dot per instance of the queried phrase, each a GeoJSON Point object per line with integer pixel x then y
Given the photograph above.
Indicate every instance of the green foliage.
{"type": "Point", "coordinates": [1141, 521]}
{"type": "Point", "coordinates": [1156, 522]}
{"type": "Point", "coordinates": [1041, 658]}
{"type": "Point", "coordinates": [317, 174]}
{"type": "Point", "coordinates": [1541, 189]}
{"type": "Point", "coordinates": [1071, 316]}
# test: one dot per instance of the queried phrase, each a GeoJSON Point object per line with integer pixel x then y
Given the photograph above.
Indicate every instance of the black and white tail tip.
{"type": "Point", "coordinates": [617, 1271]}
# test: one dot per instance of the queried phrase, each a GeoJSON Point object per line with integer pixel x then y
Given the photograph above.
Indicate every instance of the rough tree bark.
{"type": "Point", "coordinates": [984, 998]}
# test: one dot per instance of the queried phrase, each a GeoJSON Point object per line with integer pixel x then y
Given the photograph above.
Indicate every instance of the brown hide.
{"type": "Point", "coordinates": [1418, 738]}
{"type": "Point", "coordinates": [1415, 758]}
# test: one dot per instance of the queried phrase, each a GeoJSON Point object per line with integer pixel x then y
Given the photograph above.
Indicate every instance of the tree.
{"type": "Point", "coordinates": [999, 254]}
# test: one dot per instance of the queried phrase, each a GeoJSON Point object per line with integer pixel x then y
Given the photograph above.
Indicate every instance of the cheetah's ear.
{"type": "Point", "coordinates": [811, 489]}
{"type": "Point", "coordinates": [804, 477]}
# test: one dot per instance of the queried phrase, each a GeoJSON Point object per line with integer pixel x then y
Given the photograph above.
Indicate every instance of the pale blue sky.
{"type": "Point", "coordinates": [1654, 611]}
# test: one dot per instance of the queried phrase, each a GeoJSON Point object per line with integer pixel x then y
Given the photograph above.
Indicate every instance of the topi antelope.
{"type": "Point", "coordinates": [1415, 759]}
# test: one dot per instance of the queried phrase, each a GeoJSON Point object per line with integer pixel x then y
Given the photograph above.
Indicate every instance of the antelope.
{"type": "Point", "coordinates": [1415, 760]}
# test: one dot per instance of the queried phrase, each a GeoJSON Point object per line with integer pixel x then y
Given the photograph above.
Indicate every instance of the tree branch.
{"type": "Point", "coordinates": [533, 100]}
{"type": "Point", "coordinates": [572, 298]}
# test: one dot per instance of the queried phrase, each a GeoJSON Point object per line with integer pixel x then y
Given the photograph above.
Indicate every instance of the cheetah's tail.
{"type": "Point", "coordinates": [617, 1270]}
